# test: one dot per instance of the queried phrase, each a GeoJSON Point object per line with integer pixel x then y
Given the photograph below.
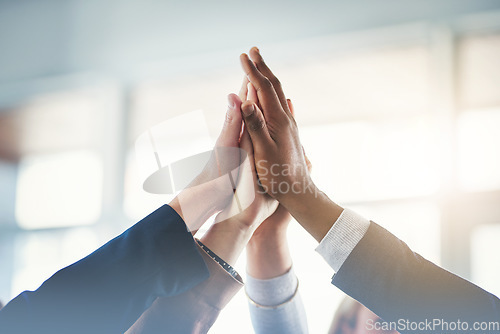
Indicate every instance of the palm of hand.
{"type": "Point", "coordinates": [250, 205]}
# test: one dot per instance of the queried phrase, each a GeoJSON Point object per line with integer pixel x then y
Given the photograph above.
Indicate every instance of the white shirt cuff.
{"type": "Point", "coordinates": [273, 291]}
{"type": "Point", "coordinates": [343, 236]}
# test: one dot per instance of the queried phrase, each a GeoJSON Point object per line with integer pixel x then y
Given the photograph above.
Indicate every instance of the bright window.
{"type": "Point", "coordinates": [485, 257]}
{"type": "Point", "coordinates": [479, 150]}
{"type": "Point", "coordinates": [57, 190]}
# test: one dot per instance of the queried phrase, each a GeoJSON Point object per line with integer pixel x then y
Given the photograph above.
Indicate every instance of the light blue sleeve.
{"type": "Point", "coordinates": [275, 305]}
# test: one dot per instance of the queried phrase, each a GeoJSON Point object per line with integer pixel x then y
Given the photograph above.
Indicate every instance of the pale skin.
{"type": "Point", "coordinates": [205, 190]}
{"type": "Point", "coordinates": [229, 237]}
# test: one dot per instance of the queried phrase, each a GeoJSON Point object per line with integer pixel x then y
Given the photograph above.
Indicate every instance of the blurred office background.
{"type": "Point", "coordinates": [398, 104]}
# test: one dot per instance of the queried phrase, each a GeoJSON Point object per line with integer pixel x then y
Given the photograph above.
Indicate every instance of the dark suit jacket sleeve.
{"type": "Point", "coordinates": [385, 275]}
{"type": "Point", "coordinates": [193, 311]}
{"type": "Point", "coordinates": [107, 291]}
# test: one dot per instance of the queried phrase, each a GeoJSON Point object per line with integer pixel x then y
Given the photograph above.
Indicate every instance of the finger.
{"type": "Point", "coordinates": [255, 124]}
{"type": "Point", "coordinates": [246, 145]}
{"type": "Point", "coordinates": [308, 162]}
{"type": "Point", "coordinates": [265, 91]}
{"type": "Point", "coordinates": [266, 71]}
{"type": "Point", "coordinates": [290, 107]}
{"type": "Point", "coordinates": [246, 142]}
{"type": "Point", "coordinates": [231, 130]}
{"type": "Point", "coordinates": [244, 90]}
{"type": "Point", "coordinates": [252, 94]}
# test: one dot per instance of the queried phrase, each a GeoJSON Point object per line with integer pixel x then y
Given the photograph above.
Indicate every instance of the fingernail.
{"type": "Point", "coordinates": [230, 102]}
{"type": "Point", "coordinates": [248, 110]}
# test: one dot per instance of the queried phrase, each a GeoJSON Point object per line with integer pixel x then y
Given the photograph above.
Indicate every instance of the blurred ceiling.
{"type": "Point", "coordinates": [45, 39]}
{"type": "Point", "coordinates": [51, 37]}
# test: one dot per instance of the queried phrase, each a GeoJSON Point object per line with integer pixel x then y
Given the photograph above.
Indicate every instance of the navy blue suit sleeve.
{"type": "Point", "coordinates": [385, 275]}
{"type": "Point", "coordinates": [107, 291]}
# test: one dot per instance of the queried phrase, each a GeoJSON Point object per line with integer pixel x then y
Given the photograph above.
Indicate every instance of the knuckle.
{"type": "Point", "coordinates": [276, 82]}
{"type": "Point", "coordinates": [257, 124]}
{"type": "Point", "coordinates": [266, 83]}
{"type": "Point", "coordinates": [290, 124]}
{"type": "Point", "coordinates": [260, 61]}
{"type": "Point", "coordinates": [229, 118]}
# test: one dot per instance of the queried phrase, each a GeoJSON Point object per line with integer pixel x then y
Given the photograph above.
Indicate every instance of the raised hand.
{"type": "Point", "coordinates": [248, 189]}
{"type": "Point", "coordinates": [280, 161]}
{"type": "Point", "coordinates": [279, 158]}
{"type": "Point", "coordinates": [250, 205]}
{"type": "Point", "coordinates": [212, 190]}
{"type": "Point", "coordinates": [268, 254]}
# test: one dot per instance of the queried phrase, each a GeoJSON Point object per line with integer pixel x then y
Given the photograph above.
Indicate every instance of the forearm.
{"type": "Point", "coordinates": [268, 255]}
{"type": "Point", "coordinates": [155, 257]}
{"type": "Point", "coordinates": [227, 239]}
{"type": "Point", "coordinates": [197, 203]}
{"type": "Point", "coordinates": [386, 276]}
{"type": "Point", "coordinates": [272, 287]}
{"type": "Point", "coordinates": [194, 311]}
{"type": "Point", "coordinates": [314, 211]}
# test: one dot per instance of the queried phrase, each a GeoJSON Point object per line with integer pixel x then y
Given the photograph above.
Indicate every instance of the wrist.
{"type": "Point", "coordinates": [300, 202]}
{"type": "Point", "coordinates": [268, 235]}
{"type": "Point", "coordinates": [233, 228]}
{"type": "Point", "coordinates": [315, 211]}
{"type": "Point", "coordinates": [268, 258]}
{"type": "Point", "coordinates": [227, 239]}
{"type": "Point", "coordinates": [198, 202]}
{"type": "Point", "coordinates": [298, 191]}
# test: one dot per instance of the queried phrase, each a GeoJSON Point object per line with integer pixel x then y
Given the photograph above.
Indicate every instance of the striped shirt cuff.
{"type": "Point", "coordinates": [342, 237]}
{"type": "Point", "coordinates": [274, 291]}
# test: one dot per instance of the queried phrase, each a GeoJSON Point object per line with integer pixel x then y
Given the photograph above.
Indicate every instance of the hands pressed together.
{"type": "Point", "coordinates": [272, 182]}
{"type": "Point", "coordinates": [256, 179]}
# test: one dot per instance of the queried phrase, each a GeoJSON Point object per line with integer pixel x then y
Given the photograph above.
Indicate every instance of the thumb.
{"type": "Point", "coordinates": [290, 107]}
{"type": "Point", "coordinates": [255, 123]}
{"type": "Point", "coordinates": [231, 130]}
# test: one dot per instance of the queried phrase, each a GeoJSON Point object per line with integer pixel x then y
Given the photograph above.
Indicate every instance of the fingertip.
{"type": "Point", "coordinates": [246, 63]}
{"type": "Point", "coordinates": [251, 92]}
{"type": "Point", "coordinates": [290, 107]}
{"type": "Point", "coordinates": [248, 108]}
{"type": "Point", "coordinates": [244, 57]}
{"type": "Point", "coordinates": [233, 112]}
{"type": "Point", "coordinates": [234, 100]}
{"type": "Point", "coordinates": [255, 54]}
